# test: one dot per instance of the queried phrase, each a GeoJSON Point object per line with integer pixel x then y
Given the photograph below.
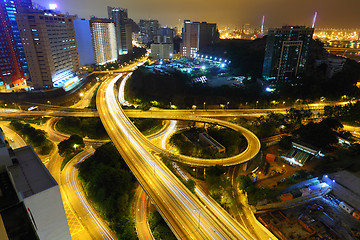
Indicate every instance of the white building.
{"type": "Point", "coordinates": [104, 40]}
{"type": "Point", "coordinates": [36, 190]}
{"type": "Point", "coordinates": [162, 50]}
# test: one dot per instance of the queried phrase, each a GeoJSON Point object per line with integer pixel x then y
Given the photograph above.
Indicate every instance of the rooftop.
{"type": "Point", "coordinates": [30, 175]}
{"type": "Point", "coordinates": [347, 180]}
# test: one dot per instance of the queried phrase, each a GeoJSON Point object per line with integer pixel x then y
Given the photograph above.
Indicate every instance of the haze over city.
{"type": "Point", "coordinates": [332, 13]}
{"type": "Point", "coordinates": [191, 120]}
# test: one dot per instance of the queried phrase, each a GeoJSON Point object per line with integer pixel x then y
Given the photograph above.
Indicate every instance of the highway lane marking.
{"type": "Point", "coordinates": [74, 224]}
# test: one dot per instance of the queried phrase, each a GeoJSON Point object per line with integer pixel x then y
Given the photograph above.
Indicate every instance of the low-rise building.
{"type": "Point", "coordinates": [211, 143]}
{"type": "Point", "coordinates": [345, 186]}
{"type": "Point", "coordinates": [162, 50]}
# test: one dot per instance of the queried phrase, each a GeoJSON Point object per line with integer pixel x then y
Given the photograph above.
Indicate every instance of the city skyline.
{"type": "Point", "coordinates": [230, 13]}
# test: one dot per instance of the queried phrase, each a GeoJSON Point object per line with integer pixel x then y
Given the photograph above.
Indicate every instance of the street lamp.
{"type": "Point", "coordinates": [204, 105]}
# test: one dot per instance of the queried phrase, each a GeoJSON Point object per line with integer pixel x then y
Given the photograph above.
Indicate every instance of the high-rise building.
{"type": "Point", "coordinates": [148, 30]}
{"type": "Point", "coordinates": [286, 52]}
{"type": "Point", "coordinates": [13, 64]}
{"type": "Point", "coordinates": [103, 36]}
{"type": "Point", "coordinates": [197, 35]}
{"type": "Point", "coordinates": [164, 35]}
{"type": "Point", "coordinates": [50, 47]}
{"type": "Point", "coordinates": [30, 201]}
{"type": "Point", "coordinates": [84, 42]}
{"type": "Point", "coordinates": [122, 29]}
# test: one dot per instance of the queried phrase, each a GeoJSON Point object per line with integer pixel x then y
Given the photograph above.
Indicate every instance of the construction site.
{"type": "Point", "coordinates": [318, 219]}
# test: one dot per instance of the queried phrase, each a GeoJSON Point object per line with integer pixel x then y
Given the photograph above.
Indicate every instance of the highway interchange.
{"type": "Point", "coordinates": [178, 206]}
{"type": "Point", "coordinates": [189, 217]}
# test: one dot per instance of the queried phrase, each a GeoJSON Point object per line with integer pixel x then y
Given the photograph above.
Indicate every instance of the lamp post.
{"type": "Point", "coordinates": [204, 105]}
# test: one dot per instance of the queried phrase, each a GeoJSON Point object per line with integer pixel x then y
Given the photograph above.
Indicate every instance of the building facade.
{"type": "Point", "coordinates": [122, 29]}
{"type": "Point", "coordinates": [286, 52]}
{"type": "Point", "coordinates": [84, 42]}
{"type": "Point", "coordinates": [197, 35]}
{"type": "Point", "coordinates": [164, 35]}
{"type": "Point", "coordinates": [50, 47]}
{"type": "Point", "coordinates": [35, 191]}
{"type": "Point", "coordinates": [162, 50]}
{"type": "Point", "coordinates": [103, 37]}
{"type": "Point", "coordinates": [13, 64]}
{"type": "Point", "coordinates": [148, 30]}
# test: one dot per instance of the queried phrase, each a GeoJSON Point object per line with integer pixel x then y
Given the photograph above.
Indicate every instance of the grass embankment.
{"type": "Point", "coordinates": [84, 127]}
{"type": "Point", "coordinates": [148, 126]}
{"type": "Point", "coordinates": [109, 185]}
{"type": "Point", "coordinates": [67, 159]}
{"type": "Point", "coordinates": [93, 128]}
{"type": "Point", "coordinates": [159, 228]}
{"type": "Point", "coordinates": [93, 99]}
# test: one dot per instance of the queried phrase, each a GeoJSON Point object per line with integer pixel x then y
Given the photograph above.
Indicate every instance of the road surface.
{"type": "Point", "coordinates": [187, 216]}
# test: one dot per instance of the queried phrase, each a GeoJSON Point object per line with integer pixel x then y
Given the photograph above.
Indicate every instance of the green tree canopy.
{"type": "Point", "coordinates": [68, 146]}
{"type": "Point", "coordinates": [244, 181]}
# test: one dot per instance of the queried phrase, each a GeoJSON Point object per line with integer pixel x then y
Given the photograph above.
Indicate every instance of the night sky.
{"type": "Point", "coordinates": [331, 13]}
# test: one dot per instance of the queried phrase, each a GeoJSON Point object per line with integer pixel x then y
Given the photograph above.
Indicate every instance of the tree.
{"type": "Point", "coordinates": [68, 146]}
{"type": "Point", "coordinates": [286, 142]}
{"type": "Point", "coordinates": [191, 184]}
{"type": "Point", "coordinates": [108, 182]}
{"type": "Point", "coordinates": [244, 181]}
{"type": "Point", "coordinates": [297, 116]}
{"type": "Point", "coordinates": [332, 124]}
{"type": "Point", "coordinates": [145, 106]}
{"type": "Point", "coordinates": [215, 171]}
{"type": "Point", "coordinates": [18, 125]}
{"type": "Point", "coordinates": [317, 134]}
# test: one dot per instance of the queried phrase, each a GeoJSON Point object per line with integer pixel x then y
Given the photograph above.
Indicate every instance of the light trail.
{"type": "Point", "coordinates": [73, 184]}
{"type": "Point", "coordinates": [122, 90]}
{"type": "Point", "coordinates": [166, 191]}
{"type": "Point", "coordinates": [169, 131]}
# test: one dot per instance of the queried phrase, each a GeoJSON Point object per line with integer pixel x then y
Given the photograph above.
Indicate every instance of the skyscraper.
{"type": "Point", "coordinates": [103, 36]}
{"type": "Point", "coordinates": [197, 35]}
{"type": "Point", "coordinates": [122, 29]}
{"type": "Point", "coordinates": [84, 42]}
{"type": "Point", "coordinates": [164, 35]}
{"type": "Point", "coordinates": [148, 30]}
{"type": "Point", "coordinates": [50, 47]}
{"type": "Point", "coordinates": [286, 52]}
{"type": "Point", "coordinates": [13, 64]}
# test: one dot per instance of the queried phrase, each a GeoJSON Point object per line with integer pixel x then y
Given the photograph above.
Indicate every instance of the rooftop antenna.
{"type": "Point", "coordinates": [262, 25]}
{"type": "Point", "coordinates": [313, 25]}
